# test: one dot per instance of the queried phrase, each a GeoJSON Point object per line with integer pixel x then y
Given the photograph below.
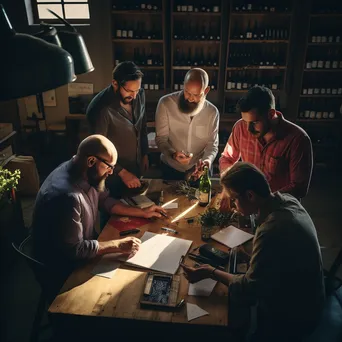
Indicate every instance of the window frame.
{"type": "Point", "coordinates": [37, 20]}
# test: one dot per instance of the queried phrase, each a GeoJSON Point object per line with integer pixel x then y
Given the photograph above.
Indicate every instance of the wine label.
{"type": "Point", "coordinates": [204, 197]}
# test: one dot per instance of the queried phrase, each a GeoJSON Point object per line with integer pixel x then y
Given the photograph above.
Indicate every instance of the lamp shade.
{"type": "Point", "coordinates": [29, 64]}
{"type": "Point", "coordinates": [72, 41]}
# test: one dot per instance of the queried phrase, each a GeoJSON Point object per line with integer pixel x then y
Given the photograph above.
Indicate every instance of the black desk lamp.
{"type": "Point", "coordinates": [30, 65]}
{"type": "Point", "coordinates": [70, 40]}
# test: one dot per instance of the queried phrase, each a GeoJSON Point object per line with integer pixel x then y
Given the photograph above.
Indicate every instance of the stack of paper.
{"type": "Point", "coordinates": [231, 236]}
{"type": "Point", "coordinates": [160, 252]}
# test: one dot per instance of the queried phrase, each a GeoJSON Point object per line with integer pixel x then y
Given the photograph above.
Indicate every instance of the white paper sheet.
{"type": "Point", "coordinates": [202, 288]}
{"type": "Point", "coordinates": [231, 236]}
{"type": "Point", "coordinates": [172, 205]}
{"type": "Point", "coordinates": [107, 265]}
{"type": "Point", "coordinates": [194, 311]}
{"type": "Point", "coordinates": [160, 252]}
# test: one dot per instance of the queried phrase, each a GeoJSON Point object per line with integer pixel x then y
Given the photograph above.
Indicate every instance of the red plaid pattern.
{"type": "Point", "coordinates": [286, 160]}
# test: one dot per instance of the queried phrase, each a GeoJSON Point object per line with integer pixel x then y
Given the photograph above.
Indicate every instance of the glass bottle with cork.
{"type": "Point", "coordinates": [204, 188]}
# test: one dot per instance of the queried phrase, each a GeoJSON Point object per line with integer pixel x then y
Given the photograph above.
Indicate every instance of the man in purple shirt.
{"type": "Point", "coordinates": [66, 210]}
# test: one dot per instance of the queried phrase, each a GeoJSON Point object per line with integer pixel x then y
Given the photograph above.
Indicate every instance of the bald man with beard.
{"type": "Point", "coordinates": [66, 210]}
{"type": "Point", "coordinates": [187, 128]}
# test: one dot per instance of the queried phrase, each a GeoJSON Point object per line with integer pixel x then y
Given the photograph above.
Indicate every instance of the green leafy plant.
{"type": "Point", "coordinates": [8, 181]}
{"type": "Point", "coordinates": [213, 217]}
{"type": "Point", "coordinates": [184, 188]}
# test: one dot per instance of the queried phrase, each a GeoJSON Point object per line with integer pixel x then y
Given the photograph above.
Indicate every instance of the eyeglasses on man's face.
{"type": "Point", "coordinates": [130, 91]}
{"type": "Point", "coordinates": [112, 167]}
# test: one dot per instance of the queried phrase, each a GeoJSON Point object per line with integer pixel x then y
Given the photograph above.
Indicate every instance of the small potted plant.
{"type": "Point", "coordinates": [8, 184]}
{"type": "Point", "coordinates": [208, 221]}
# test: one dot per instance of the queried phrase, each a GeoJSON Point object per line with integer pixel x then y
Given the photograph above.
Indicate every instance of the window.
{"type": "Point", "coordinates": [71, 10]}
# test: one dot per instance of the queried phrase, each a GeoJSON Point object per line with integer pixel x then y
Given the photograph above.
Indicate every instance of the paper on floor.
{"type": "Point", "coordinates": [107, 265]}
{"type": "Point", "coordinates": [202, 288]}
{"type": "Point", "coordinates": [194, 311]}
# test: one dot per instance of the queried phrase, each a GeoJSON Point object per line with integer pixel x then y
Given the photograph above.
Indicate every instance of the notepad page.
{"type": "Point", "coordinates": [160, 252]}
{"type": "Point", "coordinates": [231, 236]}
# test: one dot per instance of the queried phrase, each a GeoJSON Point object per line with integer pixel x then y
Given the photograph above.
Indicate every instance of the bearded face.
{"type": "Point", "coordinates": [95, 179]}
{"type": "Point", "coordinates": [185, 106]}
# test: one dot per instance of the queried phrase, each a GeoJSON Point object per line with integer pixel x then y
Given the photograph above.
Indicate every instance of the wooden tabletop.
{"type": "Point", "coordinates": [84, 294]}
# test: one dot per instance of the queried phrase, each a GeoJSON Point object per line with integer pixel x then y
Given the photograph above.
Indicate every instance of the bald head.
{"type": "Point", "coordinates": [97, 145]}
{"type": "Point", "coordinates": [197, 75]}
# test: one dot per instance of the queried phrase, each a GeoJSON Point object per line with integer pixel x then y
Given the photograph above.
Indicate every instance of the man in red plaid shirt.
{"type": "Point", "coordinates": [279, 148]}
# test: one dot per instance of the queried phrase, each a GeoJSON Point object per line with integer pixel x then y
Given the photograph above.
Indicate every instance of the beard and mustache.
{"type": "Point", "coordinates": [125, 100]}
{"type": "Point", "coordinates": [188, 107]}
{"type": "Point", "coordinates": [96, 181]}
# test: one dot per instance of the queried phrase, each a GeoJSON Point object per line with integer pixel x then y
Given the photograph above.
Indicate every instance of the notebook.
{"type": "Point", "coordinates": [140, 201]}
{"type": "Point", "coordinates": [231, 236]}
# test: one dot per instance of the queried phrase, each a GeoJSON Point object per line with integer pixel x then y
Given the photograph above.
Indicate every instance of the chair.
{"type": "Point", "coordinates": [24, 249]}
{"type": "Point", "coordinates": [332, 283]}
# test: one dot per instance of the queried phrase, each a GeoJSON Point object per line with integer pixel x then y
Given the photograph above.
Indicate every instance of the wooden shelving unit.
{"type": "Point", "coordinates": [185, 28]}
{"type": "Point", "coordinates": [144, 41]}
{"type": "Point", "coordinates": [255, 33]}
{"type": "Point", "coordinates": [196, 42]}
{"type": "Point", "coordinates": [321, 85]}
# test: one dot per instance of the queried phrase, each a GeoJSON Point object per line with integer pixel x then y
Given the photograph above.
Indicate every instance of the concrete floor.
{"type": "Point", "coordinates": [20, 292]}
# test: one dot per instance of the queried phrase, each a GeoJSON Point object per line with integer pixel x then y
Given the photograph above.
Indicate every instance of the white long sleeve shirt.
{"type": "Point", "coordinates": [176, 131]}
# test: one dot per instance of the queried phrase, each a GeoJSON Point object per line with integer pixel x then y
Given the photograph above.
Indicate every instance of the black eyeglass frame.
{"type": "Point", "coordinates": [105, 162]}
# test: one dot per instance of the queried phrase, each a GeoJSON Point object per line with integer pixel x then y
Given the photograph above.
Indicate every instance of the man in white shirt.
{"type": "Point", "coordinates": [187, 128]}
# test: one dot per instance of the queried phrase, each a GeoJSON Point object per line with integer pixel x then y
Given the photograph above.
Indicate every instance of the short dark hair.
{"type": "Point", "coordinates": [258, 98]}
{"type": "Point", "coordinates": [243, 176]}
{"type": "Point", "coordinates": [126, 71]}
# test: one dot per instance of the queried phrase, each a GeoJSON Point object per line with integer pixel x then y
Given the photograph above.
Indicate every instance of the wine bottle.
{"type": "Point", "coordinates": [189, 61]}
{"type": "Point", "coordinates": [124, 30]}
{"type": "Point", "coordinates": [156, 84]}
{"type": "Point", "coordinates": [249, 34]}
{"type": "Point", "coordinates": [204, 188]}
{"type": "Point", "coordinates": [255, 30]}
{"type": "Point", "coordinates": [150, 58]}
{"type": "Point", "coordinates": [229, 82]}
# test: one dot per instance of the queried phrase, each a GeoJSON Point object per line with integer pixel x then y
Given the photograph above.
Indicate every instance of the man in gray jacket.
{"type": "Point", "coordinates": [187, 128]}
{"type": "Point", "coordinates": [285, 276]}
{"type": "Point", "coordinates": [118, 113]}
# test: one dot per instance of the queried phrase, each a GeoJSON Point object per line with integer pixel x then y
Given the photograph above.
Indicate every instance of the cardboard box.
{"type": "Point", "coordinates": [5, 129]}
{"type": "Point", "coordinates": [29, 178]}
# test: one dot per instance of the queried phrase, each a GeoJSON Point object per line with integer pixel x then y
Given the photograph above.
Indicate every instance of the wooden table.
{"type": "Point", "coordinates": [116, 301]}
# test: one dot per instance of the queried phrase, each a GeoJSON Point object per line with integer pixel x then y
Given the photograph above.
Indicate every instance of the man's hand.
{"type": "Point", "coordinates": [129, 245]}
{"type": "Point", "coordinates": [144, 165]}
{"type": "Point", "coordinates": [196, 274]}
{"type": "Point", "coordinates": [225, 203]}
{"type": "Point", "coordinates": [130, 180]}
{"type": "Point", "coordinates": [199, 169]}
{"type": "Point", "coordinates": [153, 211]}
{"type": "Point", "coordinates": [182, 158]}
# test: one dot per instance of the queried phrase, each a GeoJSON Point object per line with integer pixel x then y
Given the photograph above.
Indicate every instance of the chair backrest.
{"type": "Point", "coordinates": [331, 274]}
{"type": "Point", "coordinates": [25, 250]}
